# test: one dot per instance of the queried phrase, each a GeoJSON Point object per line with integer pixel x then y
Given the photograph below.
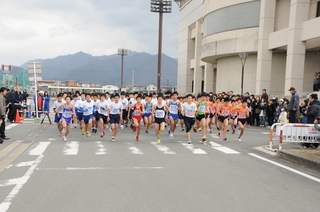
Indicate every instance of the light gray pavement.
{"type": "Point", "coordinates": [140, 176]}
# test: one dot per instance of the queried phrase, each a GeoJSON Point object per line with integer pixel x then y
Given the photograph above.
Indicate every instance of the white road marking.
{"type": "Point", "coordinates": [4, 206]}
{"type": "Point", "coordinates": [266, 133]}
{"type": "Point", "coordinates": [136, 151]}
{"type": "Point", "coordinates": [226, 150]}
{"type": "Point", "coordinates": [286, 167]}
{"type": "Point", "coordinates": [51, 139]}
{"type": "Point", "coordinates": [11, 126]}
{"type": "Point", "coordinates": [213, 144]}
{"type": "Point", "coordinates": [71, 148]}
{"type": "Point", "coordinates": [22, 164]}
{"type": "Point", "coordinates": [101, 150]}
{"type": "Point", "coordinates": [95, 168]}
{"type": "Point", "coordinates": [192, 149]}
{"type": "Point", "coordinates": [39, 149]}
{"type": "Point", "coordinates": [163, 149]}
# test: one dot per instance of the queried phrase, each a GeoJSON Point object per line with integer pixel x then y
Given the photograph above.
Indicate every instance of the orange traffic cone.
{"type": "Point", "coordinates": [17, 120]}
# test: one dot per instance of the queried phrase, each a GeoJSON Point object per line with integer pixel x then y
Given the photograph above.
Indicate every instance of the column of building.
{"type": "Point", "coordinates": [198, 75]}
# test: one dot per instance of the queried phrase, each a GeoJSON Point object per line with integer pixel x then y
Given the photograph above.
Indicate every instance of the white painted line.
{"type": "Point", "coordinates": [226, 150]}
{"type": "Point", "coordinates": [95, 168]}
{"type": "Point", "coordinates": [51, 139]}
{"type": "Point", "coordinates": [39, 149]}
{"type": "Point", "coordinates": [11, 126]}
{"type": "Point", "coordinates": [192, 149]}
{"type": "Point", "coordinates": [22, 164]}
{"type": "Point", "coordinates": [213, 144]}
{"type": "Point", "coordinates": [286, 167]}
{"type": "Point", "coordinates": [4, 206]}
{"type": "Point", "coordinates": [163, 149]}
{"type": "Point", "coordinates": [71, 148]}
{"type": "Point", "coordinates": [101, 150]}
{"type": "Point", "coordinates": [136, 151]}
{"type": "Point", "coordinates": [266, 133]}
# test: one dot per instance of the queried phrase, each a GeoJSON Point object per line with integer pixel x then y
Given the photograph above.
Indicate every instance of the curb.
{"type": "Point", "coordinates": [299, 159]}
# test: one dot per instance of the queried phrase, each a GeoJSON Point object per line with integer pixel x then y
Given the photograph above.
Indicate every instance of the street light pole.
{"type": "Point", "coordinates": [243, 58]}
{"type": "Point", "coordinates": [160, 6]}
{"type": "Point", "coordinates": [122, 52]}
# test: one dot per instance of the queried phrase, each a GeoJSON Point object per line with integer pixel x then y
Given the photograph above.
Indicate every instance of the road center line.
{"type": "Point", "coordinates": [286, 167]}
{"type": "Point", "coordinates": [39, 149]}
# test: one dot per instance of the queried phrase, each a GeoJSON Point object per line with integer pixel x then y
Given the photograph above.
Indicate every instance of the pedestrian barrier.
{"type": "Point", "coordinates": [293, 133]}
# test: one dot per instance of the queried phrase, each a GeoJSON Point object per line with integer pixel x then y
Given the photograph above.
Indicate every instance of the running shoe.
{"type": "Point", "coordinates": [233, 131]}
{"type": "Point", "coordinates": [134, 129]}
{"type": "Point", "coordinates": [159, 141]}
{"type": "Point", "coordinates": [189, 141]}
{"type": "Point", "coordinates": [210, 131]}
{"type": "Point", "coordinates": [64, 138]}
{"type": "Point", "coordinates": [199, 129]}
{"type": "Point", "coordinates": [101, 135]}
{"type": "Point", "coordinates": [239, 139]}
{"type": "Point", "coordinates": [121, 127]}
{"type": "Point", "coordinates": [195, 130]}
{"type": "Point", "coordinates": [80, 128]}
{"type": "Point", "coordinates": [171, 136]}
{"type": "Point", "coordinates": [224, 138]}
{"type": "Point", "coordinates": [147, 131]}
{"type": "Point", "coordinates": [219, 134]}
{"type": "Point", "coordinates": [137, 138]}
{"type": "Point", "coordinates": [92, 130]}
{"type": "Point", "coordinates": [104, 133]}
{"type": "Point", "coordinates": [88, 135]}
{"type": "Point", "coordinates": [182, 129]}
{"type": "Point", "coordinates": [126, 125]}
{"type": "Point", "coordinates": [169, 131]}
{"type": "Point", "coordinates": [82, 132]}
{"type": "Point", "coordinates": [61, 134]}
{"type": "Point", "coordinates": [75, 126]}
{"type": "Point", "coordinates": [204, 138]}
{"type": "Point", "coordinates": [113, 139]}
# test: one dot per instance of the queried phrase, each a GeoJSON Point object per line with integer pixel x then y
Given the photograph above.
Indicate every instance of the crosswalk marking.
{"type": "Point", "coordinates": [196, 151]}
{"type": "Point", "coordinates": [136, 151]}
{"type": "Point", "coordinates": [163, 149]}
{"type": "Point", "coordinates": [101, 150]}
{"type": "Point", "coordinates": [39, 149]}
{"type": "Point", "coordinates": [71, 148]}
{"type": "Point", "coordinates": [223, 148]}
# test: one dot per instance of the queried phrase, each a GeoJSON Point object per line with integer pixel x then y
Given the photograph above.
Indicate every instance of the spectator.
{"type": "Point", "coordinates": [25, 96]}
{"type": "Point", "coordinates": [264, 95]}
{"type": "Point", "coordinates": [256, 106]}
{"type": "Point", "coordinates": [283, 118]}
{"type": "Point", "coordinates": [262, 115]}
{"type": "Point", "coordinates": [46, 99]}
{"type": "Point", "coordinates": [315, 82]}
{"type": "Point", "coordinates": [246, 96]}
{"type": "Point", "coordinates": [293, 105]}
{"type": "Point", "coordinates": [313, 111]}
{"type": "Point", "coordinates": [3, 93]}
{"type": "Point", "coordinates": [303, 108]}
{"type": "Point", "coordinates": [17, 99]}
{"type": "Point", "coordinates": [271, 111]}
{"type": "Point", "coordinates": [278, 110]}
{"type": "Point", "coordinates": [250, 123]}
{"type": "Point", "coordinates": [11, 108]}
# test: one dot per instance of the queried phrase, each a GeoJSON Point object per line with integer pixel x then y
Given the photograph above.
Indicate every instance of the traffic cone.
{"type": "Point", "coordinates": [17, 117]}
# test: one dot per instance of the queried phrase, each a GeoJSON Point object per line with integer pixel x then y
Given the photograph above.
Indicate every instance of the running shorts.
{"type": "Point", "coordinates": [57, 118]}
{"type": "Point", "coordinates": [124, 114]}
{"type": "Point", "coordinates": [104, 118]}
{"type": "Point", "coordinates": [222, 118]}
{"type": "Point", "coordinates": [159, 120]}
{"type": "Point", "coordinates": [114, 118]}
{"type": "Point", "coordinates": [200, 117]}
{"type": "Point", "coordinates": [97, 115]}
{"type": "Point", "coordinates": [147, 115]}
{"type": "Point", "coordinates": [174, 116]}
{"type": "Point", "coordinates": [189, 122]}
{"type": "Point", "coordinates": [242, 121]}
{"type": "Point", "coordinates": [80, 116]}
{"type": "Point", "coordinates": [87, 118]}
{"type": "Point", "coordinates": [139, 118]}
{"type": "Point", "coordinates": [68, 120]}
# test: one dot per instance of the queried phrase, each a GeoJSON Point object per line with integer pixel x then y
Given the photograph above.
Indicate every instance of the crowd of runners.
{"type": "Point", "coordinates": [97, 112]}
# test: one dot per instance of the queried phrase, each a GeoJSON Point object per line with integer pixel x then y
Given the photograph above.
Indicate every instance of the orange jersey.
{"type": "Point", "coordinates": [213, 108]}
{"type": "Point", "coordinates": [242, 113]}
{"type": "Point", "coordinates": [225, 110]}
{"type": "Point", "coordinates": [208, 107]}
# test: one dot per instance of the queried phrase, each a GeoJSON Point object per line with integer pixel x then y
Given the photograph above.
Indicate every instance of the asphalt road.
{"type": "Point", "coordinates": [95, 174]}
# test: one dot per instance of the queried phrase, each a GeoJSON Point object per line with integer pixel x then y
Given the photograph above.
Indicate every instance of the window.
{"type": "Point", "coordinates": [318, 9]}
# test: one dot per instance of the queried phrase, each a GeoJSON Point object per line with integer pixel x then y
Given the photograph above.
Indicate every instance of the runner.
{"type": "Point", "coordinates": [58, 113]}
{"type": "Point", "coordinates": [148, 116]}
{"type": "Point", "coordinates": [96, 115]}
{"type": "Point", "coordinates": [174, 107]}
{"type": "Point", "coordinates": [125, 105]}
{"type": "Point", "coordinates": [102, 107]}
{"type": "Point", "coordinates": [213, 115]}
{"type": "Point", "coordinates": [242, 118]}
{"type": "Point", "coordinates": [79, 112]}
{"type": "Point", "coordinates": [181, 117]}
{"type": "Point", "coordinates": [200, 117]}
{"type": "Point", "coordinates": [87, 107]}
{"type": "Point", "coordinates": [115, 111]}
{"type": "Point", "coordinates": [233, 116]}
{"type": "Point", "coordinates": [223, 112]}
{"type": "Point", "coordinates": [66, 116]}
{"type": "Point", "coordinates": [208, 113]}
{"type": "Point", "coordinates": [74, 102]}
{"type": "Point", "coordinates": [189, 111]}
{"type": "Point", "coordinates": [138, 111]}
{"type": "Point", "coordinates": [160, 110]}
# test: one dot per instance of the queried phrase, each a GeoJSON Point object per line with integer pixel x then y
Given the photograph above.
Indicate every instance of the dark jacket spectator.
{"type": "Point", "coordinates": [314, 108]}
{"type": "Point", "coordinates": [293, 106]}
{"type": "Point", "coordinates": [25, 96]}
{"type": "Point", "coordinates": [17, 99]}
{"type": "Point", "coordinates": [264, 95]}
{"type": "Point", "coordinates": [271, 112]}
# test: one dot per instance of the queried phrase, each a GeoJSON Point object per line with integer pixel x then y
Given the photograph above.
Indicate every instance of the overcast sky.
{"type": "Point", "coordinates": [32, 29]}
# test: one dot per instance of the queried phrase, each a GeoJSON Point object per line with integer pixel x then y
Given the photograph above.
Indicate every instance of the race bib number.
{"type": "Point", "coordinates": [136, 113]}
{"type": "Point", "coordinates": [190, 113]}
{"type": "Point", "coordinates": [173, 109]}
{"type": "Point", "coordinates": [115, 110]}
{"type": "Point", "coordinates": [160, 114]}
{"type": "Point", "coordinates": [202, 109]}
{"type": "Point", "coordinates": [225, 113]}
{"type": "Point", "coordinates": [242, 115]}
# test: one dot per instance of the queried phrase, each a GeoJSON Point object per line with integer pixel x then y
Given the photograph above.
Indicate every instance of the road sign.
{"type": "Point", "coordinates": [32, 79]}
{"type": "Point", "coordinates": [31, 68]}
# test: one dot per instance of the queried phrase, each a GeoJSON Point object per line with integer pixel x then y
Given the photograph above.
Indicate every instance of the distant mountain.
{"type": "Point", "coordinates": [107, 69]}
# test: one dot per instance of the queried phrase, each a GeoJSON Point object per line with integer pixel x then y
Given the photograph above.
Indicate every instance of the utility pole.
{"type": "Point", "coordinates": [160, 6]}
{"type": "Point", "coordinates": [122, 52]}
